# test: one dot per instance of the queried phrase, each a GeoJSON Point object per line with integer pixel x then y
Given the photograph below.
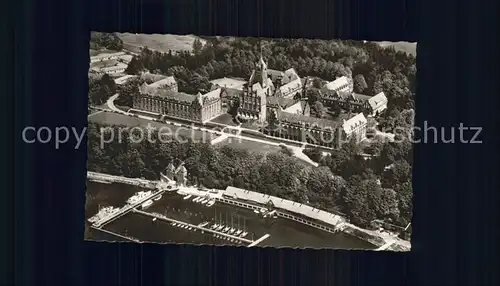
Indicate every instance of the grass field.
{"type": "Point", "coordinates": [407, 47]}
{"type": "Point", "coordinates": [120, 119]}
{"type": "Point", "coordinates": [161, 43]}
{"type": "Point", "coordinates": [250, 145]}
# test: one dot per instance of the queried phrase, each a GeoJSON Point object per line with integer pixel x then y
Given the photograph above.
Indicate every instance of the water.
{"type": "Point", "coordinates": [283, 232]}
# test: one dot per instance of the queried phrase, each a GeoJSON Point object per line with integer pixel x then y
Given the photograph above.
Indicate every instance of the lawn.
{"type": "Point", "coordinates": [161, 43]}
{"type": "Point", "coordinates": [250, 145]}
{"type": "Point", "coordinates": [129, 121]}
{"type": "Point", "coordinates": [224, 119]}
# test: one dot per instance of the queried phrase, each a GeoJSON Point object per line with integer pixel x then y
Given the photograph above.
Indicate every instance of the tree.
{"type": "Point", "coordinates": [314, 154]}
{"type": "Point", "coordinates": [134, 67]}
{"type": "Point", "coordinates": [197, 46]}
{"type": "Point", "coordinates": [398, 173]}
{"type": "Point", "coordinates": [360, 83]}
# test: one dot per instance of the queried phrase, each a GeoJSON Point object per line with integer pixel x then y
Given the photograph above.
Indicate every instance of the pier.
{"type": "Point", "coordinates": [250, 242]}
{"type": "Point", "coordinates": [126, 209]}
{"type": "Point", "coordinates": [385, 246]}
{"type": "Point", "coordinates": [101, 178]}
{"type": "Point", "coordinates": [116, 234]}
{"type": "Point", "coordinates": [265, 236]}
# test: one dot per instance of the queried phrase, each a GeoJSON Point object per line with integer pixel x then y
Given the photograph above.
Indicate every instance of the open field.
{"type": "Point", "coordinates": [160, 43]}
{"type": "Point", "coordinates": [249, 145]}
{"type": "Point", "coordinates": [407, 47]}
{"type": "Point", "coordinates": [120, 119]}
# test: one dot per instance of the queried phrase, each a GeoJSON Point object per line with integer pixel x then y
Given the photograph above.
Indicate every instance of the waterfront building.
{"type": "Point", "coordinates": [181, 175]}
{"type": "Point", "coordinates": [170, 171]}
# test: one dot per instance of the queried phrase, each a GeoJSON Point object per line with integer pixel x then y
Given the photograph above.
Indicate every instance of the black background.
{"type": "Point", "coordinates": [44, 63]}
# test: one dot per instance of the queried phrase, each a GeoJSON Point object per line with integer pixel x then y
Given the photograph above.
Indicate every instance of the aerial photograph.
{"type": "Point", "coordinates": [251, 142]}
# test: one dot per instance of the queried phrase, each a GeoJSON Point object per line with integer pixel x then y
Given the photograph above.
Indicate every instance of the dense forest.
{"type": "Point", "coordinates": [362, 190]}
{"type": "Point", "coordinates": [108, 41]}
{"type": "Point", "coordinates": [100, 89]}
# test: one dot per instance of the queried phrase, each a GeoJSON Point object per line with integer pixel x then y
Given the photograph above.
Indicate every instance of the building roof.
{"type": "Point", "coordinates": [280, 101]}
{"type": "Point", "coordinates": [292, 85]}
{"type": "Point", "coordinates": [336, 84]}
{"type": "Point", "coordinates": [150, 77]}
{"type": "Point", "coordinates": [232, 92]}
{"type": "Point", "coordinates": [350, 124]}
{"type": "Point", "coordinates": [167, 81]}
{"type": "Point", "coordinates": [177, 96]}
{"type": "Point", "coordinates": [297, 107]}
{"type": "Point", "coordinates": [124, 79]}
{"type": "Point", "coordinates": [213, 94]}
{"type": "Point", "coordinates": [105, 55]}
{"type": "Point", "coordinates": [117, 67]}
{"type": "Point", "coordinates": [275, 73]}
{"type": "Point", "coordinates": [345, 95]}
{"type": "Point", "coordinates": [229, 83]}
{"type": "Point", "coordinates": [377, 100]}
{"type": "Point", "coordinates": [287, 205]}
{"type": "Point", "coordinates": [311, 121]}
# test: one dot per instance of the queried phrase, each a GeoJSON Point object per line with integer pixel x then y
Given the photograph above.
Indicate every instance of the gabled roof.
{"type": "Point", "coordinates": [229, 82]}
{"type": "Point", "coordinates": [336, 84]}
{"type": "Point", "coordinates": [213, 94]}
{"type": "Point", "coordinates": [377, 100]}
{"type": "Point", "coordinates": [168, 81]}
{"type": "Point", "coordinates": [350, 124]}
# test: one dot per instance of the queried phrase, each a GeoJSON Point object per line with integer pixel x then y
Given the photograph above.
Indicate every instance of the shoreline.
{"type": "Point", "coordinates": [382, 241]}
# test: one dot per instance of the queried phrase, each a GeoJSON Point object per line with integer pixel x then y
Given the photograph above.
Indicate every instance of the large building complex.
{"type": "Point", "coordinates": [161, 97]}
{"type": "Point", "coordinates": [322, 132]}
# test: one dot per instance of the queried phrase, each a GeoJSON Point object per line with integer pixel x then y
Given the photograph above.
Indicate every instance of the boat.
{"type": "Point", "coordinates": [210, 203]}
{"type": "Point", "coordinates": [203, 224]}
{"type": "Point", "coordinates": [196, 199]}
{"type": "Point", "coordinates": [187, 197]}
{"type": "Point", "coordinates": [214, 226]}
{"type": "Point", "coordinates": [256, 211]}
{"type": "Point", "coordinates": [174, 224]}
{"type": "Point", "coordinates": [226, 229]}
{"type": "Point", "coordinates": [147, 204]}
{"type": "Point", "coordinates": [244, 234]}
{"type": "Point", "coordinates": [220, 227]}
{"type": "Point", "coordinates": [238, 232]}
{"type": "Point", "coordinates": [203, 201]}
{"type": "Point", "coordinates": [157, 198]}
{"type": "Point", "coordinates": [154, 219]}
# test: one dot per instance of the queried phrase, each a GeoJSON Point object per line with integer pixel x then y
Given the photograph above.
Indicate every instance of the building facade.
{"type": "Point", "coordinates": [200, 107]}
{"type": "Point", "coordinates": [315, 131]}
{"type": "Point", "coordinates": [253, 99]}
{"type": "Point", "coordinates": [369, 105]}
